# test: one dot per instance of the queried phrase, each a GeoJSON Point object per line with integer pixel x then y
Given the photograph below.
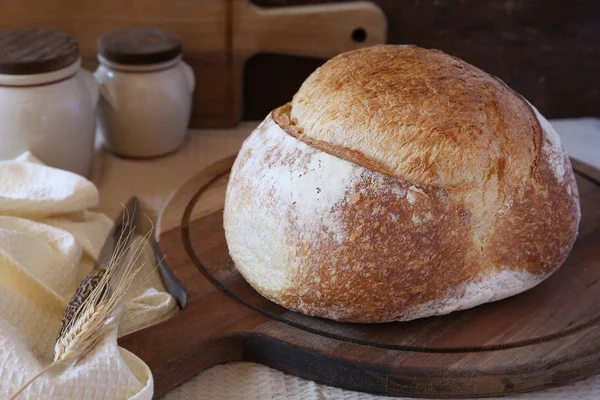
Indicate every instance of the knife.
{"type": "Point", "coordinates": [118, 239]}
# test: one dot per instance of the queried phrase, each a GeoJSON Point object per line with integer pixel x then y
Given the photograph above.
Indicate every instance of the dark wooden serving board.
{"type": "Point", "coordinates": [544, 337]}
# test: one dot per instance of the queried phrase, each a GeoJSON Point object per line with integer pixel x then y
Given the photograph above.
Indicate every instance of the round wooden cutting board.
{"type": "Point", "coordinates": [547, 336]}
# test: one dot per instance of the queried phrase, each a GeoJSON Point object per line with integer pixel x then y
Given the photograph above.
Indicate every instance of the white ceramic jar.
{"type": "Point", "coordinates": [146, 93]}
{"type": "Point", "coordinates": [47, 101]}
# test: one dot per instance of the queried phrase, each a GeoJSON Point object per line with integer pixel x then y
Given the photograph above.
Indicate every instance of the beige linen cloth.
{"type": "Point", "coordinates": [49, 240]}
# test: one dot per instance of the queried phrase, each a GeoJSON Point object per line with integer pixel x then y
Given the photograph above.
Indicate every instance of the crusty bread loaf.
{"type": "Point", "coordinates": [400, 183]}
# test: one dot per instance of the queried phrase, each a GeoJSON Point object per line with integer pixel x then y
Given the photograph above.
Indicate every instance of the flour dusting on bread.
{"type": "Point", "coordinates": [496, 286]}
{"type": "Point", "coordinates": [552, 148]}
{"type": "Point", "coordinates": [312, 185]}
{"type": "Point", "coordinates": [297, 180]}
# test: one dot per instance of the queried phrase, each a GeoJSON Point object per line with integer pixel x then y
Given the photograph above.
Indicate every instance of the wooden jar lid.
{"type": "Point", "coordinates": [139, 46]}
{"type": "Point", "coordinates": [35, 51]}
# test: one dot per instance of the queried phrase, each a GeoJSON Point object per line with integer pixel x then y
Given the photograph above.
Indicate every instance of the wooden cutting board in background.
{"type": "Point", "coordinates": [218, 36]}
{"type": "Point", "coordinates": [547, 336]}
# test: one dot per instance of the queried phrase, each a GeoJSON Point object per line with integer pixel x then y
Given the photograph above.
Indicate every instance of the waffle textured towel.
{"type": "Point", "coordinates": [49, 240]}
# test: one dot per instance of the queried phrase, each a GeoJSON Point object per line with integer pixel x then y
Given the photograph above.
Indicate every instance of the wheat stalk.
{"type": "Point", "coordinates": [95, 307]}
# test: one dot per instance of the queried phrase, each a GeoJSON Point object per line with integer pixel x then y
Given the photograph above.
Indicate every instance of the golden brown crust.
{"type": "Point", "coordinates": [537, 227]}
{"type": "Point", "coordinates": [383, 270]}
{"type": "Point", "coordinates": [393, 101]}
{"type": "Point", "coordinates": [457, 189]}
{"type": "Point", "coordinates": [426, 117]}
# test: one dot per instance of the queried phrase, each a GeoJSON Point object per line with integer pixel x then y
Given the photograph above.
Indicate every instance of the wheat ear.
{"type": "Point", "coordinates": [94, 309]}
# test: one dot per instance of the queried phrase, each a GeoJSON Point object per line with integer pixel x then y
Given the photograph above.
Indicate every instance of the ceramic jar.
{"type": "Point", "coordinates": [146, 92]}
{"type": "Point", "coordinates": [47, 101]}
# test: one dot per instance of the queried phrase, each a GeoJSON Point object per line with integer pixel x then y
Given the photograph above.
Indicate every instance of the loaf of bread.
{"type": "Point", "coordinates": [400, 183]}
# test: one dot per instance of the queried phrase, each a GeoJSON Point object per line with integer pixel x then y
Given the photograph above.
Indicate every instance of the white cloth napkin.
{"type": "Point", "coordinates": [49, 240]}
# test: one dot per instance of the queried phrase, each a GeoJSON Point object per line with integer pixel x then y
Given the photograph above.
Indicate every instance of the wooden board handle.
{"type": "Point", "coordinates": [321, 31]}
{"type": "Point", "coordinates": [182, 346]}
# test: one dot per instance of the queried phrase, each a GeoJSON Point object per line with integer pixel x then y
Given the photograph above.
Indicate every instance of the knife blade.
{"type": "Point", "coordinates": [120, 235]}
{"type": "Point", "coordinates": [117, 241]}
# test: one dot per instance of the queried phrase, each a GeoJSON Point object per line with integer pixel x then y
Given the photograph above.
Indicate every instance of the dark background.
{"type": "Point", "coordinates": [549, 51]}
